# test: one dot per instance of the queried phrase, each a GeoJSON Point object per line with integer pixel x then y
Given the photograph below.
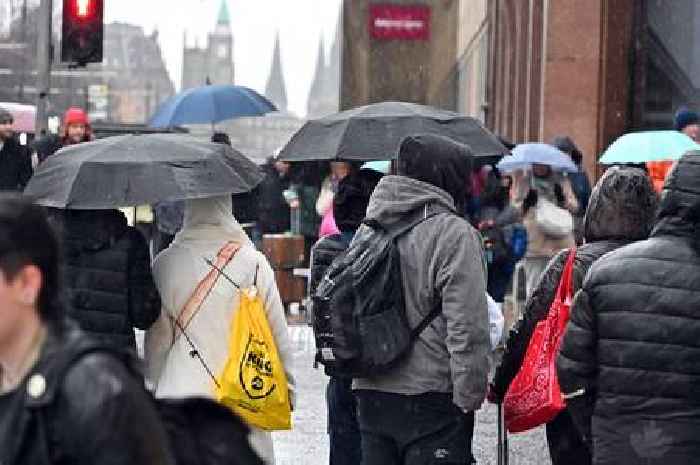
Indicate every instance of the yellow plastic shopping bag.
{"type": "Point", "coordinates": [253, 383]}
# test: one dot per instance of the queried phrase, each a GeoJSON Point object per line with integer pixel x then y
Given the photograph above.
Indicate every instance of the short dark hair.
{"type": "Point", "coordinates": [26, 238]}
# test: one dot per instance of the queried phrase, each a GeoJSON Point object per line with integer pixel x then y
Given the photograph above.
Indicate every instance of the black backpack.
{"type": "Point", "coordinates": [200, 431]}
{"type": "Point", "coordinates": [361, 299]}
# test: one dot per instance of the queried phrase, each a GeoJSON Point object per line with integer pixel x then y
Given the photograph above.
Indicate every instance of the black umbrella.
{"type": "Point", "coordinates": [374, 132]}
{"type": "Point", "coordinates": [140, 169]}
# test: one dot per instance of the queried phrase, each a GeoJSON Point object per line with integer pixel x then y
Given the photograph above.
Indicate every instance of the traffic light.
{"type": "Point", "coordinates": [82, 31]}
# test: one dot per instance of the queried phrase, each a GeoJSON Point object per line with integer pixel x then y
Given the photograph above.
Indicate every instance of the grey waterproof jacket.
{"type": "Point", "coordinates": [441, 261]}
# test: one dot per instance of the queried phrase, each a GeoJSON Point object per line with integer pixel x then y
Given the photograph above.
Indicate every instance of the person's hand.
{"type": "Point", "coordinates": [530, 201]}
{"type": "Point", "coordinates": [559, 194]}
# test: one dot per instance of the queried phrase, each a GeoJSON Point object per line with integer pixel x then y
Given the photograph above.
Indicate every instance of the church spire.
{"type": "Point", "coordinates": [318, 85]}
{"type": "Point", "coordinates": [224, 17]}
{"type": "Point", "coordinates": [275, 90]}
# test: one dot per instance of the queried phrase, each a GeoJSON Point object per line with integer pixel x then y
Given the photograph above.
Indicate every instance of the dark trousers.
{"type": "Point", "coordinates": [565, 444]}
{"type": "Point", "coordinates": [426, 429]}
{"type": "Point", "coordinates": [343, 431]}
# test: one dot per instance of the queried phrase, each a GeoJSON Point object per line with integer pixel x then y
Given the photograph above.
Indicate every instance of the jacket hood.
{"type": "Point", "coordinates": [439, 161]}
{"type": "Point", "coordinates": [94, 229]}
{"type": "Point", "coordinates": [622, 206]}
{"type": "Point", "coordinates": [396, 197]}
{"type": "Point", "coordinates": [679, 212]}
{"type": "Point", "coordinates": [211, 219]}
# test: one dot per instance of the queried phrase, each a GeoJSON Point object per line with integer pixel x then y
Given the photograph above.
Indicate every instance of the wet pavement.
{"type": "Point", "coordinates": [307, 443]}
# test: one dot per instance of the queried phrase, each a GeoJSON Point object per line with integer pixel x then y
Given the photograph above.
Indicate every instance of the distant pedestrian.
{"type": "Point", "coordinates": [107, 272]}
{"type": "Point", "coordinates": [628, 364]}
{"type": "Point", "coordinates": [422, 410]}
{"type": "Point", "coordinates": [580, 183]}
{"type": "Point", "coordinates": [621, 211]}
{"type": "Point", "coordinates": [209, 231]}
{"type": "Point", "coordinates": [15, 159]}
{"type": "Point", "coordinates": [75, 130]}
{"type": "Point", "coordinates": [58, 404]}
{"type": "Point", "coordinates": [349, 207]}
{"type": "Point", "coordinates": [324, 204]}
{"type": "Point", "coordinates": [531, 190]}
{"type": "Point", "coordinates": [273, 209]}
{"type": "Point", "coordinates": [687, 122]}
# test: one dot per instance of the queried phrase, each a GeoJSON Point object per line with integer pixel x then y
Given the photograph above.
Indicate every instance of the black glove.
{"type": "Point", "coordinates": [559, 194]}
{"type": "Point", "coordinates": [530, 201]}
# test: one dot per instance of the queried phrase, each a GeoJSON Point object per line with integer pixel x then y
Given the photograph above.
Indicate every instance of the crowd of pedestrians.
{"type": "Point", "coordinates": [74, 284]}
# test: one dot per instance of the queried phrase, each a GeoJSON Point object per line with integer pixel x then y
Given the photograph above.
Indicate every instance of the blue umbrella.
{"type": "Point", "coordinates": [525, 155]}
{"type": "Point", "coordinates": [641, 147]}
{"type": "Point", "coordinates": [210, 104]}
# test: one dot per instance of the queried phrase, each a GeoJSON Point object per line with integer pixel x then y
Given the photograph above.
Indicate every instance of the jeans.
{"type": "Point", "coordinates": [343, 430]}
{"type": "Point", "coordinates": [425, 429]}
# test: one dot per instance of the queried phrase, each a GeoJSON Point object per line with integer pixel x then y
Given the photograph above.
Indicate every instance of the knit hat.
{"type": "Point", "coordinates": [685, 117]}
{"type": "Point", "coordinates": [75, 115]}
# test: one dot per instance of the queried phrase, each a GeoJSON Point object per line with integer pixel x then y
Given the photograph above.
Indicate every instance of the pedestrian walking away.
{"type": "Point", "coordinates": [349, 207]}
{"type": "Point", "coordinates": [107, 274]}
{"type": "Point", "coordinates": [422, 410]}
{"type": "Point", "coordinates": [628, 361]}
{"type": "Point", "coordinates": [621, 211]}
{"type": "Point", "coordinates": [171, 368]}
{"type": "Point", "coordinates": [95, 411]}
{"type": "Point", "coordinates": [15, 159]}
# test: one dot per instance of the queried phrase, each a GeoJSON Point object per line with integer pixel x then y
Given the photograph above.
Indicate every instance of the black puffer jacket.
{"type": "Point", "coordinates": [107, 275]}
{"type": "Point", "coordinates": [95, 413]}
{"type": "Point", "coordinates": [15, 166]}
{"type": "Point", "coordinates": [632, 341]}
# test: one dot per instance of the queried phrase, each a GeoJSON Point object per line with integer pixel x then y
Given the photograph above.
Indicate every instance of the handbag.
{"type": "Point", "coordinates": [553, 221]}
{"type": "Point", "coordinates": [534, 397]}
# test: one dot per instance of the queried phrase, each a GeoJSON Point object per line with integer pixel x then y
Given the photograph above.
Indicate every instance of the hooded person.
{"type": "Point", "coordinates": [424, 406]}
{"type": "Point", "coordinates": [628, 364]}
{"type": "Point", "coordinates": [208, 228]}
{"type": "Point", "coordinates": [621, 210]}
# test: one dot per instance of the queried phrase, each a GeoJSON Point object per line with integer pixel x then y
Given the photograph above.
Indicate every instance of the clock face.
{"type": "Point", "coordinates": [222, 51]}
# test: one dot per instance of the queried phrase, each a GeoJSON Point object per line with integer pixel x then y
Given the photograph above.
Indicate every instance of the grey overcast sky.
{"type": "Point", "coordinates": [300, 23]}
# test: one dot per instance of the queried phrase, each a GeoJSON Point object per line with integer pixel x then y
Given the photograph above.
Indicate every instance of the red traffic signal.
{"type": "Point", "coordinates": [82, 40]}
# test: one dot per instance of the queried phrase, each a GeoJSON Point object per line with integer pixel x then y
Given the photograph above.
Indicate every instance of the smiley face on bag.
{"type": "Point", "coordinates": [256, 371]}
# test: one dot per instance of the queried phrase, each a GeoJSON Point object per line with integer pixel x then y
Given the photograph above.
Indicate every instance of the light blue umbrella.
{"type": "Point", "coordinates": [379, 166]}
{"type": "Point", "coordinates": [525, 155]}
{"type": "Point", "coordinates": [641, 147]}
{"type": "Point", "coordinates": [210, 104]}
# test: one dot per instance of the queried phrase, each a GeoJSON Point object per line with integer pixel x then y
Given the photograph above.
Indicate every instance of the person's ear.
{"type": "Point", "coordinates": [26, 285]}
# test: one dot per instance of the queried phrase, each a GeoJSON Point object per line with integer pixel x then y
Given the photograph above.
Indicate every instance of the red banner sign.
{"type": "Point", "coordinates": [401, 22]}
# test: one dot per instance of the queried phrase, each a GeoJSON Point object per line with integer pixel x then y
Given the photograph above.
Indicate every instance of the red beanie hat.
{"type": "Point", "coordinates": [75, 115]}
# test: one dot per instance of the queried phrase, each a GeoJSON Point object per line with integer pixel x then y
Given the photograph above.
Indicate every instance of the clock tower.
{"type": "Point", "coordinates": [220, 49]}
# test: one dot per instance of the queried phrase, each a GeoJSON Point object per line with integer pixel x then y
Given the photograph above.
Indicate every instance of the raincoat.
{"type": "Point", "coordinates": [208, 225]}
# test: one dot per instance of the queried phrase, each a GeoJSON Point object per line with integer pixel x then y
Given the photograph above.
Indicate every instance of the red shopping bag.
{"type": "Point", "coordinates": [534, 397]}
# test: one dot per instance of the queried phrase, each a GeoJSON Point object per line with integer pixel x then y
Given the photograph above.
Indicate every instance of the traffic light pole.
{"type": "Point", "coordinates": [43, 66]}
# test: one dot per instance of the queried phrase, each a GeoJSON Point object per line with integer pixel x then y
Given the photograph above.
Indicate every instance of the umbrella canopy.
{"type": "Point", "coordinates": [641, 147]}
{"type": "Point", "coordinates": [140, 169]}
{"type": "Point", "coordinates": [210, 104]}
{"type": "Point", "coordinates": [526, 155]}
{"type": "Point", "coordinates": [23, 116]}
{"type": "Point", "coordinates": [374, 132]}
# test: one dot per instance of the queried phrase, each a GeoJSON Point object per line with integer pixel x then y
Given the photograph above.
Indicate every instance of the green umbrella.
{"type": "Point", "coordinates": [641, 147]}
